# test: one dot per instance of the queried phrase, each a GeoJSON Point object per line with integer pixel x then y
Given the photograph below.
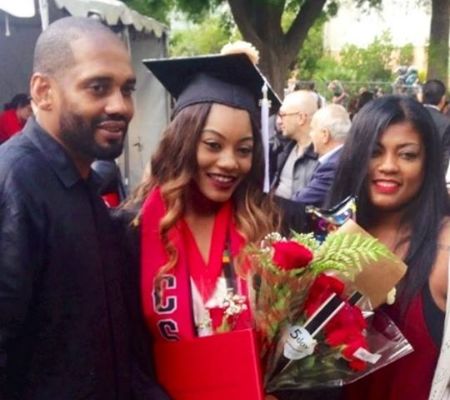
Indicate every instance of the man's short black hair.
{"type": "Point", "coordinates": [53, 53]}
{"type": "Point", "coordinates": [433, 91]}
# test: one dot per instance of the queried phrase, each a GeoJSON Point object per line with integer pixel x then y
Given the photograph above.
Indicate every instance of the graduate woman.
{"type": "Point", "coordinates": [392, 162]}
{"type": "Point", "coordinates": [203, 198]}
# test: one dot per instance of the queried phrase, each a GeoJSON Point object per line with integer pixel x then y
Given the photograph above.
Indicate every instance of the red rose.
{"type": "Point", "coordinates": [290, 255]}
{"type": "Point", "coordinates": [345, 331]}
{"type": "Point", "coordinates": [322, 287]}
{"type": "Point", "coordinates": [348, 353]}
{"type": "Point", "coordinates": [344, 336]}
{"type": "Point", "coordinates": [348, 317]}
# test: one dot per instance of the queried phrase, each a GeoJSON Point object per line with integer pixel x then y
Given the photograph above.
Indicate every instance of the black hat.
{"type": "Point", "coordinates": [229, 79]}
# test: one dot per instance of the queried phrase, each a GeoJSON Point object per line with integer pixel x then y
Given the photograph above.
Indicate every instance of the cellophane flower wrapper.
{"type": "Point", "coordinates": [283, 276]}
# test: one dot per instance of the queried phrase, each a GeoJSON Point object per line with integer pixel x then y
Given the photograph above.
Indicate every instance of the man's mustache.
{"type": "Point", "coordinates": [110, 118]}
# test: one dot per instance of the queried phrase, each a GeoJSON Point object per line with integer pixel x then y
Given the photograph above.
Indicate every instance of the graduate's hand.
{"type": "Point", "coordinates": [270, 397]}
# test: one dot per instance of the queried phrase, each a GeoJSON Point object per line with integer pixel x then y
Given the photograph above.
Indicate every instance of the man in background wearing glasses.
{"type": "Point", "coordinates": [297, 161]}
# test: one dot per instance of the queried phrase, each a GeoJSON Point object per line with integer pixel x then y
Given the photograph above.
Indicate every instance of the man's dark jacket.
{"type": "Point", "coordinates": [293, 213]}
{"type": "Point", "coordinates": [442, 123]}
{"type": "Point", "coordinates": [303, 166]}
{"type": "Point", "coordinates": [316, 191]}
{"type": "Point", "coordinates": [66, 331]}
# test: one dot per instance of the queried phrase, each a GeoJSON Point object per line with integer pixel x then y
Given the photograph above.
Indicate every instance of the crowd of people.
{"type": "Point", "coordinates": [86, 291]}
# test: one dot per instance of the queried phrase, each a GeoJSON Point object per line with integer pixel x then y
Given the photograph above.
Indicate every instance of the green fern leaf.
{"type": "Point", "coordinates": [347, 252]}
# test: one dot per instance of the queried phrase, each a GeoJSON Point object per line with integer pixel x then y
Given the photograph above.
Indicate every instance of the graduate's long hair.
{"type": "Point", "coordinates": [174, 165]}
{"type": "Point", "coordinates": [424, 214]}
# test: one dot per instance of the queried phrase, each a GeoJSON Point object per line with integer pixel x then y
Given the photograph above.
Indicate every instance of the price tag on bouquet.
{"type": "Point", "coordinates": [299, 343]}
{"type": "Point", "coordinates": [300, 340]}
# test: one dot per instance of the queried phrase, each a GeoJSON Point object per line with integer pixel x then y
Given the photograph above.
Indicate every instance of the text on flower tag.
{"type": "Point", "coordinates": [299, 343]}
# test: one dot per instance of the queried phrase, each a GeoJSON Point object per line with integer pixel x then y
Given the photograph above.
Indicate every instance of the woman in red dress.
{"type": "Point", "coordinates": [392, 162]}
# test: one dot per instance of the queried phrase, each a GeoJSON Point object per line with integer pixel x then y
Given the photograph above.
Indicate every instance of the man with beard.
{"type": "Point", "coordinates": [66, 326]}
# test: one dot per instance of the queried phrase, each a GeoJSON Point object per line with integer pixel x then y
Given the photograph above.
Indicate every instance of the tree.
{"type": "Point", "coordinates": [208, 36]}
{"type": "Point", "coordinates": [260, 22]}
{"type": "Point", "coordinates": [312, 51]}
{"type": "Point", "coordinates": [438, 52]}
{"type": "Point", "coordinates": [372, 63]}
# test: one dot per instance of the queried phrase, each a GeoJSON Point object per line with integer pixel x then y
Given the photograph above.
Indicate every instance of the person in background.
{"type": "Point", "coordinates": [329, 129]}
{"type": "Point", "coordinates": [296, 162]}
{"type": "Point", "coordinates": [433, 98]}
{"type": "Point", "coordinates": [392, 163]}
{"type": "Point", "coordinates": [14, 116]}
{"type": "Point", "coordinates": [68, 314]}
{"type": "Point", "coordinates": [364, 98]}
{"type": "Point", "coordinates": [339, 94]}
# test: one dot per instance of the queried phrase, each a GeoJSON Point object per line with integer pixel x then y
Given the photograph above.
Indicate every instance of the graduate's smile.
{"type": "Point", "coordinates": [224, 153]}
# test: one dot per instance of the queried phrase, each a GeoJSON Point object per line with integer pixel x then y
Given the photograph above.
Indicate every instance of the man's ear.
{"type": "Point", "coordinates": [41, 91]}
{"type": "Point", "coordinates": [326, 135]}
{"type": "Point", "coordinates": [441, 104]}
{"type": "Point", "coordinates": [302, 118]}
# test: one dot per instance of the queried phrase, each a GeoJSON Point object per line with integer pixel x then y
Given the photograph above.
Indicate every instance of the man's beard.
{"type": "Point", "coordinates": [78, 135]}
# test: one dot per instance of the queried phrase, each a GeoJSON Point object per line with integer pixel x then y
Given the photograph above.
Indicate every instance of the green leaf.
{"type": "Point", "coordinates": [347, 252]}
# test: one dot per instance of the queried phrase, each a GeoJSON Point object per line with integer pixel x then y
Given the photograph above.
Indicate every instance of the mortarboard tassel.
{"type": "Point", "coordinates": [265, 106]}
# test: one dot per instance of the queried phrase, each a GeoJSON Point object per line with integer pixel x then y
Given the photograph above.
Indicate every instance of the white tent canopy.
{"type": "Point", "coordinates": [113, 12]}
{"type": "Point", "coordinates": [21, 8]}
{"type": "Point", "coordinates": [23, 21]}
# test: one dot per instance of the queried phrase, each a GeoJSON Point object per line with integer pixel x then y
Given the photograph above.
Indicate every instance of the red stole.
{"type": "Point", "coordinates": [173, 319]}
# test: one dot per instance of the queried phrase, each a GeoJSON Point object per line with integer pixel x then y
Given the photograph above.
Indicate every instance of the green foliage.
{"type": "Point", "coordinates": [194, 10]}
{"type": "Point", "coordinates": [206, 37]}
{"type": "Point", "coordinates": [312, 50]}
{"type": "Point", "coordinates": [347, 253]}
{"type": "Point", "coordinates": [329, 68]}
{"type": "Point", "coordinates": [372, 63]}
{"type": "Point", "coordinates": [406, 54]}
{"type": "Point", "coordinates": [357, 64]}
{"type": "Point", "coordinates": [210, 27]}
{"type": "Point", "coordinates": [307, 239]}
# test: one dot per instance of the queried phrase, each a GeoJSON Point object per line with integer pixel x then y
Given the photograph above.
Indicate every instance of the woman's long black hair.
{"type": "Point", "coordinates": [425, 212]}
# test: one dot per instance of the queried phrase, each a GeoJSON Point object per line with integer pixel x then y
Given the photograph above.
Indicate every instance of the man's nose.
{"type": "Point", "coordinates": [119, 104]}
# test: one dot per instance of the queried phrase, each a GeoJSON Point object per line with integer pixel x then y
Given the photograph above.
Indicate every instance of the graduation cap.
{"type": "Point", "coordinates": [228, 79]}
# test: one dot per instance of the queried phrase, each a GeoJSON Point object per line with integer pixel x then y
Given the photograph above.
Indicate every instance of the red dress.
{"type": "Point", "coordinates": [411, 376]}
{"type": "Point", "coordinates": [9, 125]}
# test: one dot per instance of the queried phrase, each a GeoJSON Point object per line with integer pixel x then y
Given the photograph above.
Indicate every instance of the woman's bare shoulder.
{"type": "Point", "coordinates": [439, 275]}
{"type": "Point", "coordinates": [444, 235]}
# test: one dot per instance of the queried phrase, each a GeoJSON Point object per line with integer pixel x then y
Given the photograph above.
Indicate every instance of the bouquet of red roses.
{"type": "Point", "coordinates": [315, 320]}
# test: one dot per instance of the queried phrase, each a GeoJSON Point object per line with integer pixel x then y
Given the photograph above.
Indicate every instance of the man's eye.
{"type": "Point", "coordinates": [98, 89]}
{"type": "Point", "coordinates": [128, 90]}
